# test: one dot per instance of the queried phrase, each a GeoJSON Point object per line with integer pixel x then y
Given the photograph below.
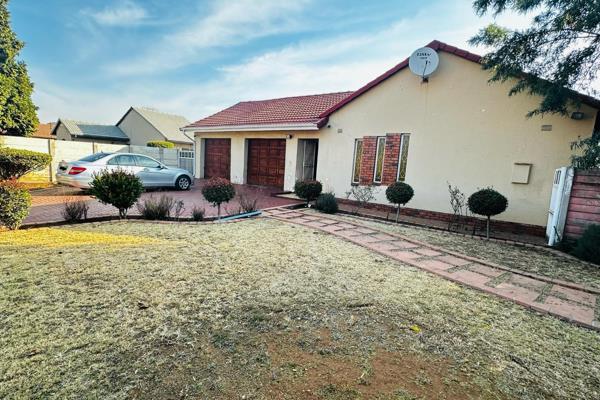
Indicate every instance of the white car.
{"type": "Point", "coordinates": [80, 173]}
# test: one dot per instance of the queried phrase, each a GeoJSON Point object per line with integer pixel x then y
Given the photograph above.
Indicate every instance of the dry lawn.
{"type": "Point", "coordinates": [262, 310]}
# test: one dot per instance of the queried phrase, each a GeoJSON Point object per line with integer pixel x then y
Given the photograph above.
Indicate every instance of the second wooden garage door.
{"type": "Point", "coordinates": [266, 162]}
{"type": "Point", "coordinates": [217, 158]}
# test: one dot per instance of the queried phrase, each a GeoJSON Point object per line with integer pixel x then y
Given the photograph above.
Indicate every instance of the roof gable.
{"type": "Point", "coordinates": [168, 125]}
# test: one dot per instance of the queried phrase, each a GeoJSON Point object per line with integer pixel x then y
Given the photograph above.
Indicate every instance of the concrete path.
{"type": "Point", "coordinates": [568, 301]}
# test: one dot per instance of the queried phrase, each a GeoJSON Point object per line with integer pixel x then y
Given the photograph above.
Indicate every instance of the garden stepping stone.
{"type": "Point", "coordinates": [567, 301]}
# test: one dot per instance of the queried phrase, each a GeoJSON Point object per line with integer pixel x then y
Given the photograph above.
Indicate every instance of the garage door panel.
{"type": "Point", "coordinates": [217, 158]}
{"type": "Point", "coordinates": [266, 162]}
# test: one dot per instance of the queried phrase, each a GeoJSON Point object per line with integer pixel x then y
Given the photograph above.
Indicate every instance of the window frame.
{"type": "Point", "coordinates": [139, 157]}
{"type": "Point", "coordinates": [354, 160]}
{"type": "Point", "coordinates": [382, 146]}
{"type": "Point", "coordinates": [403, 143]}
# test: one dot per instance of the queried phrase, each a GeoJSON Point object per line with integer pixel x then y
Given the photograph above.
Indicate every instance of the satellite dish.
{"type": "Point", "coordinates": [423, 62]}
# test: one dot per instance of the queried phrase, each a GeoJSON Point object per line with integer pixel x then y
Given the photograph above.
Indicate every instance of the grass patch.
{"type": "Point", "coordinates": [264, 310]}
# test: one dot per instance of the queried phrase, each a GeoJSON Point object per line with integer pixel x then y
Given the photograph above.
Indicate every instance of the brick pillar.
{"type": "Point", "coordinates": [391, 156]}
{"type": "Point", "coordinates": [367, 166]}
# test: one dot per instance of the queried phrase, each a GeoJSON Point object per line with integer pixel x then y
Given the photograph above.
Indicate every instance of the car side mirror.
{"type": "Point", "coordinates": [162, 166]}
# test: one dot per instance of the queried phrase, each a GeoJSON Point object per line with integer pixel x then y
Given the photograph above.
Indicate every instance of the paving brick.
{"type": "Point", "coordinates": [470, 278]}
{"type": "Point", "coordinates": [516, 293]}
{"type": "Point", "coordinates": [427, 252]}
{"type": "Point", "coordinates": [434, 265]}
{"type": "Point", "coordinates": [485, 270]}
{"type": "Point", "coordinates": [569, 310]}
{"type": "Point", "coordinates": [365, 231]}
{"type": "Point", "coordinates": [575, 295]}
{"type": "Point", "coordinates": [382, 246]}
{"type": "Point", "coordinates": [404, 255]}
{"type": "Point", "coordinates": [364, 239]}
{"type": "Point", "coordinates": [403, 244]}
{"type": "Point", "coordinates": [524, 281]}
{"type": "Point", "coordinates": [458, 262]}
{"type": "Point", "coordinates": [383, 236]}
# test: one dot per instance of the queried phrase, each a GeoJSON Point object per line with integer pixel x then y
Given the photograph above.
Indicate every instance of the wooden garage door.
{"type": "Point", "coordinates": [217, 158]}
{"type": "Point", "coordinates": [266, 162]}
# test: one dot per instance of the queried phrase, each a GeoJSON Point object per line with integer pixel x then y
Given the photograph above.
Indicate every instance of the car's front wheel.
{"type": "Point", "coordinates": [183, 183]}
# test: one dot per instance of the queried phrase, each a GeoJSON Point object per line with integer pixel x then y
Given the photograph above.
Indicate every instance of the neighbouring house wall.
{"type": "Point", "coordinates": [69, 151]}
{"type": "Point", "coordinates": [139, 130]}
{"type": "Point", "coordinates": [584, 203]}
{"type": "Point", "coordinates": [62, 133]}
{"type": "Point", "coordinates": [464, 130]}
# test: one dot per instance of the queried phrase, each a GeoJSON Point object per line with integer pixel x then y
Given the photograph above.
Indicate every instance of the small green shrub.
{"type": "Point", "coordinates": [327, 203]}
{"type": "Point", "coordinates": [487, 202]}
{"type": "Point", "coordinates": [15, 163]}
{"type": "Point", "coordinates": [118, 188]}
{"type": "Point", "coordinates": [588, 245]}
{"type": "Point", "coordinates": [399, 193]}
{"type": "Point", "coordinates": [308, 190]}
{"type": "Point", "coordinates": [156, 209]}
{"type": "Point", "coordinates": [75, 211]}
{"type": "Point", "coordinates": [217, 191]}
{"type": "Point", "coordinates": [15, 201]}
{"type": "Point", "coordinates": [198, 213]}
{"type": "Point", "coordinates": [160, 143]}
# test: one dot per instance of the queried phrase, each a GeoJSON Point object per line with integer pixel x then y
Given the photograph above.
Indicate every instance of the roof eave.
{"type": "Point", "coordinates": [313, 126]}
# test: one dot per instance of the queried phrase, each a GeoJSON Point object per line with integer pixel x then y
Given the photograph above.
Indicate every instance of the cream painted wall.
{"type": "Point", "coordinates": [463, 129]}
{"type": "Point", "coordinates": [140, 132]}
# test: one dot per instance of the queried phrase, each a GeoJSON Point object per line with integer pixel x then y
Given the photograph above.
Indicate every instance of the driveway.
{"type": "Point", "coordinates": [48, 204]}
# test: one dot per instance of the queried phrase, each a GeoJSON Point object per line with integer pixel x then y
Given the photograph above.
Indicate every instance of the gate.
{"type": "Point", "coordinates": [186, 160]}
{"type": "Point", "coordinates": [559, 203]}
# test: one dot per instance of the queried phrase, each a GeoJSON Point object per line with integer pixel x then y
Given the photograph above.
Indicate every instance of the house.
{"type": "Point", "coordinates": [44, 131]}
{"type": "Point", "coordinates": [138, 126]}
{"type": "Point", "coordinates": [66, 129]}
{"type": "Point", "coordinates": [143, 125]}
{"type": "Point", "coordinates": [454, 128]}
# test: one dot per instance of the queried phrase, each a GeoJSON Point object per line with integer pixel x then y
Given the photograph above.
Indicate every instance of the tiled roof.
{"type": "Point", "coordinates": [93, 131]}
{"type": "Point", "coordinates": [44, 131]}
{"type": "Point", "coordinates": [283, 111]}
{"type": "Point", "coordinates": [167, 124]}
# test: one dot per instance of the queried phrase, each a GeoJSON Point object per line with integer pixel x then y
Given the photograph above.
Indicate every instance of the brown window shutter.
{"type": "Point", "coordinates": [392, 154]}
{"type": "Point", "coordinates": [368, 160]}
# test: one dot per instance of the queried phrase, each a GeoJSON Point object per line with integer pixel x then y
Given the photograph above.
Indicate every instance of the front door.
{"type": "Point", "coordinates": [306, 166]}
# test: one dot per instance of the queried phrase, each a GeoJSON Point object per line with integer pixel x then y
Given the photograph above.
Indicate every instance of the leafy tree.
{"type": "Point", "coordinates": [308, 189]}
{"type": "Point", "coordinates": [399, 193]}
{"type": "Point", "coordinates": [17, 112]}
{"type": "Point", "coordinates": [588, 155]}
{"type": "Point", "coordinates": [217, 191]}
{"type": "Point", "coordinates": [14, 163]}
{"type": "Point", "coordinates": [557, 54]}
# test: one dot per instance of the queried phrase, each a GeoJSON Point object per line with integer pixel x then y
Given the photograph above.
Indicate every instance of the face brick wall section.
{"type": "Point", "coordinates": [367, 166]}
{"type": "Point", "coordinates": [390, 162]}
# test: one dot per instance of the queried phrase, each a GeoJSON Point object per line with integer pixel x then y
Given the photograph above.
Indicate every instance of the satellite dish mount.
{"type": "Point", "coordinates": [423, 62]}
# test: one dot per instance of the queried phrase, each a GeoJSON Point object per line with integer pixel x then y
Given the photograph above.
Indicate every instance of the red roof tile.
{"type": "Point", "coordinates": [287, 110]}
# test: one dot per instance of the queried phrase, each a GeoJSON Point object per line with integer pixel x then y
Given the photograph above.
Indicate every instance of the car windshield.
{"type": "Point", "coordinates": [94, 157]}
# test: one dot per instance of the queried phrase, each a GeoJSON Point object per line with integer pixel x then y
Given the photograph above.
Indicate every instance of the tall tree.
{"type": "Point", "coordinates": [18, 114]}
{"type": "Point", "coordinates": [557, 54]}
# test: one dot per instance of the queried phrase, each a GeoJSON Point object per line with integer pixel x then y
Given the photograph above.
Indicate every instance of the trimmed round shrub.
{"type": "Point", "coordinates": [308, 189]}
{"type": "Point", "coordinates": [217, 191]}
{"type": "Point", "coordinates": [588, 245]}
{"type": "Point", "coordinates": [118, 188]}
{"type": "Point", "coordinates": [15, 201]}
{"type": "Point", "coordinates": [15, 163]}
{"type": "Point", "coordinates": [399, 193]}
{"type": "Point", "coordinates": [487, 202]}
{"type": "Point", "coordinates": [327, 203]}
{"type": "Point", "coordinates": [160, 143]}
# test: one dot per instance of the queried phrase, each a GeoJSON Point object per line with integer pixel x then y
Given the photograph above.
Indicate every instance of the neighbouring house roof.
{"type": "Point", "coordinates": [44, 131]}
{"type": "Point", "coordinates": [91, 130]}
{"type": "Point", "coordinates": [312, 112]}
{"type": "Point", "coordinates": [300, 112]}
{"type": "Point", "coordinates": [169, 125]}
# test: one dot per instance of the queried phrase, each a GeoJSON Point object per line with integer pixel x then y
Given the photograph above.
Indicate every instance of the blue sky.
{"type": "Point", "coordinates": [90, 60]}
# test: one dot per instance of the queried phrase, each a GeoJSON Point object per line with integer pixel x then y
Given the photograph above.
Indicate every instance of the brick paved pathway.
{"type": "Point", "coordinates": [567, 301]}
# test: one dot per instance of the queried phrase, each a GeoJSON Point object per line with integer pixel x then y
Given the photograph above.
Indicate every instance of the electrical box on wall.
{"type": "Point", "coordinates": [521, 172]}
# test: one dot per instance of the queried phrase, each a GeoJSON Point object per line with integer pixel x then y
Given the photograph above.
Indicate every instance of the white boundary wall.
{"type": "Point", "coordinates": [71, 151]}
